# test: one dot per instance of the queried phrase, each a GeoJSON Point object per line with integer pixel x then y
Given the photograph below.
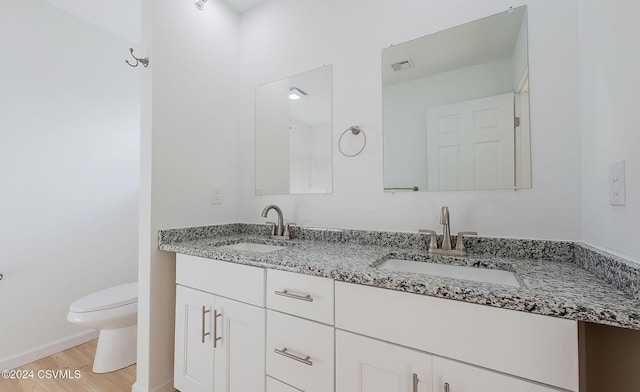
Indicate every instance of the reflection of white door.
{"type": "Point", "coordinates": [470, 144]}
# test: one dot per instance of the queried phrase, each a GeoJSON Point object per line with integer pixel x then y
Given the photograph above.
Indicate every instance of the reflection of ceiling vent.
{"type": "Point", "coordinates": [400, 65]}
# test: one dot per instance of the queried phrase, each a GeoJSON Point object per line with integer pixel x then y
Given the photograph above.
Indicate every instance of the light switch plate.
{"type": "Point", "coordinates": [617, 195]}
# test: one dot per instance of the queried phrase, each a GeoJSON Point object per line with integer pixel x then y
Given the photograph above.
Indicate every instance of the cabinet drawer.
{"type": "Point", "coordinates": [301, 295]}
{"type": "Point", "coordinates": [307, 363]}
{"type": "Point", "coordinates": [540, 348]}
{"type": "Point", "coordinates": [239, 282]}
{"type": "Point", "coordinates": [274, 385]}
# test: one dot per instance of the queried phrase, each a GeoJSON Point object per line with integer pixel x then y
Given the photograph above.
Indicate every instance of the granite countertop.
{"type": "Point", "coordinates": [559, 288]}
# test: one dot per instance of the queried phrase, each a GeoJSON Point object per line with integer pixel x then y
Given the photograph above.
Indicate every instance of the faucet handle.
{"type": "Point", "coordinates": [287, 233]}
{"type": "Point", "coordinates": [433, 242]}
{"type": "Point", "coordinates": [273, 227]}
{"type": "Point", "coordinates": [459, 242]}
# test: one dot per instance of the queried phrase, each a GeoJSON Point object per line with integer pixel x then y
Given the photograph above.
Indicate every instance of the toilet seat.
{"type": "Point", "coordinates": [111, 297]}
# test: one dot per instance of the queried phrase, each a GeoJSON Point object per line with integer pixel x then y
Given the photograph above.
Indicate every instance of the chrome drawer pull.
{"type": "Point", "coordinates": [287, 294]}
{"type": "Point", "coordinates": [215, 328]}
{"type": "Point", "coordinates": [204, 312]}
{"type": "Point", "coordinates": [415, 382]}
{"type": "Point", "coordinates": [285, 353]}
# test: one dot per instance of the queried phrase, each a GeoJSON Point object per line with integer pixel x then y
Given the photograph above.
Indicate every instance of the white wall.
{"type": "Point", "coordinates": [69, 140]}
{"type": "Point", "coordinates": [609, 85]}
{"type": "Point", "coordinates": [189, 144]}
{"type": "Point", "coordinates": [285, 37]}
{"type": "Point", "coordinates": [120, 17]}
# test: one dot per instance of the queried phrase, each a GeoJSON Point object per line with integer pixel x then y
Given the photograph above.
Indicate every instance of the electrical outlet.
{"type": "Point", "coordinates": [617, 196]}
{"type": "Point", "coordinates": [216, 195]}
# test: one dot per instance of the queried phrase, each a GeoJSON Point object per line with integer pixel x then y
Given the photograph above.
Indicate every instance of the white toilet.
{"type": "Point", "coordinates": [114, 311]}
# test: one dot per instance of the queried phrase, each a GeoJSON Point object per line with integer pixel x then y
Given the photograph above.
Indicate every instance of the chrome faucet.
{"type": "Point", "coordinates": [446, 249]}
{"type": "Point", "coordinates": [279, 230]}
{"type": "Point", "coordinates": [446, 230]}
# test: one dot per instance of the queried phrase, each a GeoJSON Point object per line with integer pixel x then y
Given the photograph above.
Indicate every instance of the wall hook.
{"type": "Point", "coordinates": [144, 61]}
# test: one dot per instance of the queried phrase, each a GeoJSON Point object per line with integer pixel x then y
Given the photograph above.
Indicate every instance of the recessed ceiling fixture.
{"type": "Point", "coordinates": [295, 93]}
{"type": "Point", "coordinates": [200, 4]}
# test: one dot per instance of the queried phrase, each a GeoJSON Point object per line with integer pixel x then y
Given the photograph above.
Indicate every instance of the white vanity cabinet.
{"type": "Point", "coordinates": [364, 364]}
{"type": "Point", "coordinates": [219, 341]}
{"type": "Point", "coordinates": [499, 343]}
{"type": "Point", "coordinates": [242, 328]}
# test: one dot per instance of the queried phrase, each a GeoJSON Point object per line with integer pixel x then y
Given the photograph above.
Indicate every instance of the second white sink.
{"type": "Point", "coordinates": [452, 271]}
{"type": "Point", "coordinates": [251, 247]}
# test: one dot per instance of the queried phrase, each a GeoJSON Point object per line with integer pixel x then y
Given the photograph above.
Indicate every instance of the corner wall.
{"type": "Point", "coordinates": [189, 144]}
{"type": "Point", "coordinates": [286, 37]}
{"type": "Point", "coordinates": [609, 121]}
{"type": "Point", "coordinates": [69, 140]}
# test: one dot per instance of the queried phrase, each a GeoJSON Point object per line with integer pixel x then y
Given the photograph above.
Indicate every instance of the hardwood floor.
{"type": "Point", "coordinates": [42, 376]}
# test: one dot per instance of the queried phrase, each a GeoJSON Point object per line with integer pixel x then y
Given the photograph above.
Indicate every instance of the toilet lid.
{"type": "Point", "coordinates": [112, 297]}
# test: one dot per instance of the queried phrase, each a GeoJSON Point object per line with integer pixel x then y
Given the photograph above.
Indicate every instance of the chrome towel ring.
{"type": "Point", "coordinates": [356, 130]}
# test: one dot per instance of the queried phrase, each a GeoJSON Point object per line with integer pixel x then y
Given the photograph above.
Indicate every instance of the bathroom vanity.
{"type": "Point", "coordinates": [318, 313]}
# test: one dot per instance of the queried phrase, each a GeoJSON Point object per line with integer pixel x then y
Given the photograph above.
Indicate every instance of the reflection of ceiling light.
{"type": "Point", "coordinates": [296, 93]}
{"type": "Point", "coordinates": [200, 4]}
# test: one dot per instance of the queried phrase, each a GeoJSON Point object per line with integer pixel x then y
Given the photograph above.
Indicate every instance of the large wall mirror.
{"type": "Point", "coordinates": [293, 134]}
{"type": "Point", "coordinates": [456, 108]}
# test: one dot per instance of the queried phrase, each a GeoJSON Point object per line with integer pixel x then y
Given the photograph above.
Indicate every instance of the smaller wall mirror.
{"type": "Point", "coordinates": [293, 134]}
{"type": "Point", "coordinates": [456, 108]}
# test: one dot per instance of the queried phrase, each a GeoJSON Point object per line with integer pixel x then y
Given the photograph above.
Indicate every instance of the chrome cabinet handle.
{"type": "Point", "coordinates": [215, 328]}
{"type": "Point", "coordinates": [415, 382]}
{"type": "Point", "coordinates": [204, 313]}
{"type": "Point", "coordinates": [287, 354]}
{"type": "Point", "coordinates": [287, 294]}
{"type": "Point", "coordinates": [446, 387]}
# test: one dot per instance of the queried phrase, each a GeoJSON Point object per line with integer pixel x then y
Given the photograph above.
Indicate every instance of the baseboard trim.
{"type": "Point", "coordinates": [55, 347]}
{"type": "Point", "coordinates": [166, 386]}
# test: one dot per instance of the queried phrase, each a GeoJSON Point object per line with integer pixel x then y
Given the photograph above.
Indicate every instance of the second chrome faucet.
{"type": "Point", "coordinates": [446, 249]}
{"type": "Point", "coordinates": [279, 231]}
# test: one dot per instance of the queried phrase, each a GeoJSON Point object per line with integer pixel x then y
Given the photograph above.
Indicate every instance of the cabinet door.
{"type": "Point", "coordinates": [368, 365]}
{"type": "Point", "coordinates": [193, 368]}
{"type": "Point", "coordinates": [461, 377]}
{"type": "Point", "coordinates": [239, 354]}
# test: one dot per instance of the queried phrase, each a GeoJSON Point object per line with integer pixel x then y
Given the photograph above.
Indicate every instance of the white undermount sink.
{"type": "Point", "coordinates": [452, 271]}
{"type": "Point", "coordinates": [252, 247]}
